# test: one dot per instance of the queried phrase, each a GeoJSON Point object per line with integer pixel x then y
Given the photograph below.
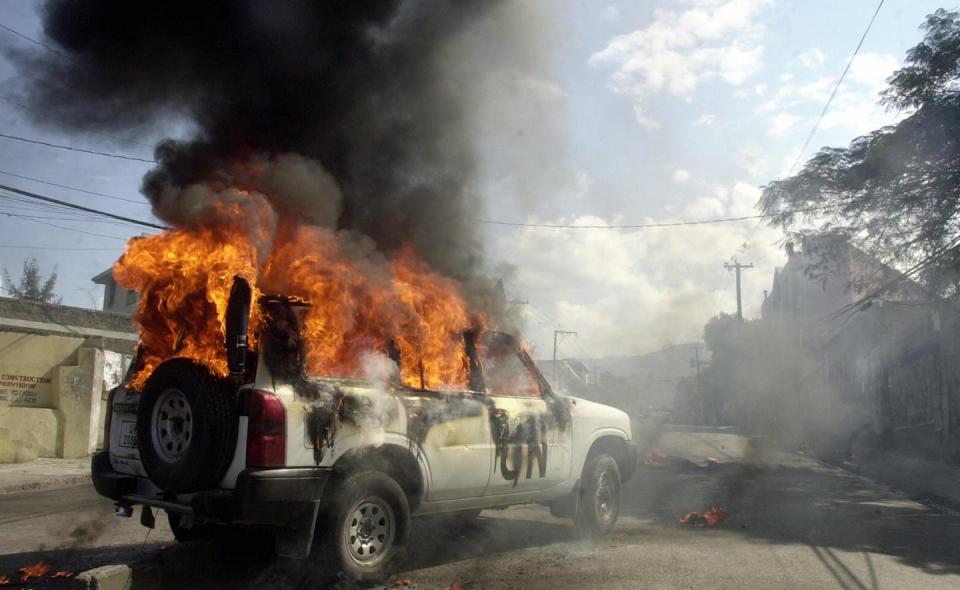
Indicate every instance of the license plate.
{"type": "Point", "coordinates": [128, 435]}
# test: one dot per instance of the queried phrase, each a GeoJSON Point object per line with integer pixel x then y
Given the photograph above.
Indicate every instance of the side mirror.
{"type": "Point", "coordinates": [237, 325]}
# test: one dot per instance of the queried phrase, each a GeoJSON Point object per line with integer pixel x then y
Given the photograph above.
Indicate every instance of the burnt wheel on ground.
{"type": "Point", "coordinates": [186, 427]}
{"type": "Point", "coordinates": [366, 525]}
{"type": "Point", "coordinates": [598, 505]}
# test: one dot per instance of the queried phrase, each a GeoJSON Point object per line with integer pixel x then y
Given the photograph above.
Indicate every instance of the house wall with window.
{"type": "Point", "coordinates": [116, 299]}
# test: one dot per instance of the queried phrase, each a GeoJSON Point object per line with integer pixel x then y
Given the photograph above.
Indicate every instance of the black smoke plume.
{"type": "Point", "coordinates": [359, 100]}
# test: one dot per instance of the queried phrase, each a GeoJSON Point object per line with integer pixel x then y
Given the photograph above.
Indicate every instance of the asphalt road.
{"type": "Point", "coordinates": [73, 529]}
{"type": "Point", "coordinates": [792, 523]}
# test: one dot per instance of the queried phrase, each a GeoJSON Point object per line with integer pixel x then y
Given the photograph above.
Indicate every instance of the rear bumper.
{"type": "Point", "coordinates": [284, 498]}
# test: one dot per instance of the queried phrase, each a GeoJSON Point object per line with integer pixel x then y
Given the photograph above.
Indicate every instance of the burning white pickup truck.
{"type": "Point", "coordinates": [339, 466]}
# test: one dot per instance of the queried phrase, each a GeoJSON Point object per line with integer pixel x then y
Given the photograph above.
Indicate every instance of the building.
{"type": "Point", "coordinates": [819, 285]}
{"type": "Point", "coordinates": [57, 364]}
{"type": "Point", "coordinates": [882, 352]}
{"type": "Point", "coordinates": [116, 299]}
{"type": "Point", "coordinates": [569, 376]}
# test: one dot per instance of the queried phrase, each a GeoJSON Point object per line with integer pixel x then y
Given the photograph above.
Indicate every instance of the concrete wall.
{"type": "Point", "coordinates": [51, 395]}
{"type": "Point", "coordinates": [28, 365]}
{"type": "Point", "coordinates": [79, 403]}
{"type": "Point", "coordinates": [27, 433]}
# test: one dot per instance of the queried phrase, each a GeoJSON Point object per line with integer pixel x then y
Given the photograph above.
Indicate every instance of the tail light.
{"type": "Point", "coordinates": [108, 419]}
{"type": "Point", "coordinates": [266, 430]}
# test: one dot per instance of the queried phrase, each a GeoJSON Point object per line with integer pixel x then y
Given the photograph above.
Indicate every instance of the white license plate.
{"type": "Point", "coordinates": [128, 435]}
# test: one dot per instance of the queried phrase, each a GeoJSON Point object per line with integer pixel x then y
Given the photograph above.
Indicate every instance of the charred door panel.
{"type": "Point", "coordinates": [530, 426]}
{"type": "Point", "coordinates": [532, 447]}
{"type": "Point", "coordinates": [451, 432]}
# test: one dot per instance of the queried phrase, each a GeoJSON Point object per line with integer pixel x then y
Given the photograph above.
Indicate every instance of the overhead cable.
{"type": "Point", "coordinates": [81, 207]}
{"type": "Point", "coordinates": [73, 188]}
{"type": "Point", "coordinates": [73, 229]}
{"type": "Point", "coordinates": [652, 224]}
{"type": "Point", "coordinates": [61, 248]}
{"type": "Point", "coordinates": [87, 128]}
{"type": "Point", "coordinates": [836, 88]}
{"type": "Point", "coordinates": [30, 39]}
{"type": "Point", "coordinates": [73, 149]}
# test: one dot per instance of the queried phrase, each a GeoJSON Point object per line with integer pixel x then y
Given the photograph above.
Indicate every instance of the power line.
{"type": "Point", "coordinates": [823, 113]}
{"type": "Point", "coordinates": [902, 277]}
{"type": "Point", "coordinates": [82, 208]}
{"type": "Point", "coordinates": [73, 229]}
{"type": "Point", "coordinates": [31, 39]}
{"type": "Point", "coordinates": [836, 88]}
{"type": "Point", "coordinates": [73, 149]}
{"type": "Point", "coordinates": [73, 188]}
{"type": "Point", "coordinates": [87, 128]}
{"type": "Point", "coordinates": [62, 248]}
{"type": "Point", "coordinates": [655, 224]}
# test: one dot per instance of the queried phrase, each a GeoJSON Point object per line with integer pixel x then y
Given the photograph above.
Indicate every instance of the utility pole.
{"type": "Point", "coordinates": [697, 363]}
{"type": "Point", "coordinates": [557, 333]}
{"type": "Point", "coordinates": [736, 266]}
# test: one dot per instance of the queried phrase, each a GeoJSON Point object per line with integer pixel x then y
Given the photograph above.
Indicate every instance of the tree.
{"type": "Point", "coordinates": [894, 192]}
{"type": "Point", "coordinates": [32, 286]}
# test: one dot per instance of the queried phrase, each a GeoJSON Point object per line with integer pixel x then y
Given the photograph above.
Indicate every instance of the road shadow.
{"type": "Point", "coordinates": [433, 541]}
{"type": "Point", "coordinates": [806, 503]}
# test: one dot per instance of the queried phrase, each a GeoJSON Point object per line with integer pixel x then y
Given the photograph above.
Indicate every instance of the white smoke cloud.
{"type": "Point", "coordinates": [680, 49]}
{"type": "Point", "coordinates": [630, 292]}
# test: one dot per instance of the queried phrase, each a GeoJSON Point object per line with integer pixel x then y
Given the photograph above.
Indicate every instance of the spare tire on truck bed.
{"type": "Point", "coordinates": [186, 427]}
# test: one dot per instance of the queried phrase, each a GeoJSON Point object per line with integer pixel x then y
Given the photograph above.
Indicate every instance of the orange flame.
{"type": "Point", "coordinates": [32, 572]}
{"type": "Point", "coordinates": [712, 517]}
{"type": "Point", "coordinates": [359, 302]}
{"type": "Point", "coordinates": [656, 457]}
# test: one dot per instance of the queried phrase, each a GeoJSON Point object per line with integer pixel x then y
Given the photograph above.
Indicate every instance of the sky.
{"type": "Point", "coordinates": [665, 111]}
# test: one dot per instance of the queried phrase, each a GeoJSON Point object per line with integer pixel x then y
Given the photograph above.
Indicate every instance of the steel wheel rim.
{"type": "Point", "coordinates": [172, 425]}
{"type": "Point", "coordinates": [369, 530]}
{"type": "Point", "coordinates": [605, 498]}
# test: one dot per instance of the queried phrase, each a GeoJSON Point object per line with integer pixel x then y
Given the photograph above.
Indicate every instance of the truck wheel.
{"type": "Point", "coordinates": [369, 522]}
{"type": "Point", "coordinates": [186, 427]}
{"type": "Point", "coordinates": [598, 504]}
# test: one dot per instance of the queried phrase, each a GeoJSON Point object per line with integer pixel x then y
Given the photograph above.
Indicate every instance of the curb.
{"type": "Point", "coordinates": [172, 567]}
{"type": "Point", "coordinates": [107, 577]}
{"type": "Point", "coordinates": [53, 483]}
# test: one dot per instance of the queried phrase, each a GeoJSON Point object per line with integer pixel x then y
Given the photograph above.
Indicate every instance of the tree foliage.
{"type": "Point", "coordinates": [895, 192]}
{"type": "Point", "coordinates": [32, 286]}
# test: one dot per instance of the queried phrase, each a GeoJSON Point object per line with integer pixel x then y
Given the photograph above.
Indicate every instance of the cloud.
{"type": "Point", "coordinates": [783, 122]}
{"type": "Point", "coordinates": [680, 176]}
{"type": "Point", "coordinates": [705, 120]}
{"type": "Point", "coordinates": [630, 292]}
{"type": "Point", "coordinates": [812, 58]}
{"type": "Point", "coordinates": [583, 183]}
{"type": "Point", "coordinates": [752, 159]}
{"type": "Point", "coordinates": [610, 14]}
{"type": "Point", "coordinates": [643, 120]}
{"type": "Point", "coordinates": [873, 69]}
{"type": "Point", "coordinates": [854, 110]}
{"type": "Point", "coordinates": [712, 39]}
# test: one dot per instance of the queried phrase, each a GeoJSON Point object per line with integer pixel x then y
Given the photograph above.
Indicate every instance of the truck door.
{"type": "Point", "coordinates": [452, 431]}
{"type": "Point", "coordinates": [532, 438]}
